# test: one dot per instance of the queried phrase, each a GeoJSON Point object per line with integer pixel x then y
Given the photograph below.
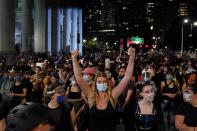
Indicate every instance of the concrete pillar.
{"type": "Point", "coordinates": [49, 30]}
{"type": "Point", "coordinates": [67, 28]}
{"type": "Point", "coordinates": [80, 28]}
{"type": "Point", "coordinates": [39, 26]}
{"type": "Point", "coordinates": [59, 29]}
{"type": "Point", "coordinates": [27, 25]}
{"type": "Point", "coordinates": [73, 29]}
{"type": "Point", "coordinates": [7, 29]}
{"type": "Point", "coordinates": [54, 30]}
{"type": "Point", "coordinates": [74, 17]}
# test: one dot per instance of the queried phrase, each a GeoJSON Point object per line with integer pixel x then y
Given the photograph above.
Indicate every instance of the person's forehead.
{"type": "Point", "coordinates": [147, 87]}
{"type": "Point", "coordinates": [101, 78]}
{"type": "Point", "coordinates": [192, 75]}
{"type": "Point", "coordinates": [107, 71]}
{"type": "Point", "coordinates": [53, 77]}
{"type": "Point", "coordinates": [43, 127]}
{"type": "Point", "coordinates": [86, 73]}
{"type": "Point", "coordinates": [122, 70]}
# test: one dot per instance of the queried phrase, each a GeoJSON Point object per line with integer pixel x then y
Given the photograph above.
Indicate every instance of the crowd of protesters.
{"type": "Point", "coordinates": [152, 91]}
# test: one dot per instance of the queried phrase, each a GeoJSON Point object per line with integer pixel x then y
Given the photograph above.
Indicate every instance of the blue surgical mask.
{"type": "Point", "coordinates": [86, 78]}
{"type": "Point", "coordinates": [187, 96]}
{"type": "Point", "coordinates": [101, 87]}
{"type": "Point", "coordinates": [60, 99]}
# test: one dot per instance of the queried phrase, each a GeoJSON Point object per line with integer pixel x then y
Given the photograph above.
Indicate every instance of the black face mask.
{"type": "Point", "coordinates": [120, 78]}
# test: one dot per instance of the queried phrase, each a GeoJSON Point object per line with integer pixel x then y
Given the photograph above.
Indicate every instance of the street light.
{"type": "Point", "coordinates": [184, 21]}
{"type": "Point", "coordinates": [94, 39]}
{"type": "Point", "coordinates": [190, 35]}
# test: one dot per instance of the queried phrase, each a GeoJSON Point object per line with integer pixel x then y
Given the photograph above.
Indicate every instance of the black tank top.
{"type": "Point", "coordinates": [102, 120]}
{"type": "Point", "coordinates": [167, 89]}
{"type": "Point", "coordinates": [73, 95]}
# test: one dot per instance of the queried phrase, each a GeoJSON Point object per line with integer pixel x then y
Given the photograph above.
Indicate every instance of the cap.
{"type": "Point", "coordinates": [89, 70]}
{"type": "Point", "coordinates": [27, 116]}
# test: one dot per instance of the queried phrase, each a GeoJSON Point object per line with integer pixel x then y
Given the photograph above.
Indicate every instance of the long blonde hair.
{"type": "Point", "coordinates": [95, 97]}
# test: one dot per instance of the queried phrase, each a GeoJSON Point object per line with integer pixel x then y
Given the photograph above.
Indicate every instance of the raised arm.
{"type": "Point", "coordinates": [117, 91]}
{"type": "Point", "coordinates": [78, 75]}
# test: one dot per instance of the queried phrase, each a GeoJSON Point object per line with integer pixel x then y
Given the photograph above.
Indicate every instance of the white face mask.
{"type": "Point", "coordinates": [187, 96]}
{"type": "Point", "coordinates": [109, 75]}
{"type": "Point", "coordinates": [101, 87]}
{"type": "Point", "coordinates": [149, 97]}
{"type": "Point", "coordinates": [73, 82]}
{"type": "Point", "coordinates": [147, 78]}
{"type": "Point", "coordinates": [86, 78]}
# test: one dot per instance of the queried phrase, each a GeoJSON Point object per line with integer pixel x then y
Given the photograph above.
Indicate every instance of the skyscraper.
{"type": "Point", "coordinates": [108, 14]}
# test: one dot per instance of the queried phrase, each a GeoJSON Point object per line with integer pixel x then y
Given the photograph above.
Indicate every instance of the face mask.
{"type": "Point", "coordinates": [101, 87]}
{"type": "Point", "coordinates": [149, 97]}
{"type": "Point", "coordinates": [169, 77]}
{"type": "Point", "coordinates": [120, 77]}
{"type": "Point", "coordinates": [109, 75]}
{"type": "Point", "coordinates": [187, 96]}
{"type": "Point", "coordinates": [60, 99]}
{"type": "Point", "coordinates": [147, 78]}
{"type": "Point", "coordinates": [86, 78]}
{"type": "Point", "coordinates": [73, 82]}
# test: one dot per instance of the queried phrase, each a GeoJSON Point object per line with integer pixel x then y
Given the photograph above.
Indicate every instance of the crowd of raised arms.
{"type": "Point", "coordinates": [114, 91]}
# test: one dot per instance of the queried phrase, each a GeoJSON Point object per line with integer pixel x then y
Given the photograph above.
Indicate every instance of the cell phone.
{"type": "Point", "coordinates": [50, 92]}
{"type": "Point", "coordinates": [39, 64]}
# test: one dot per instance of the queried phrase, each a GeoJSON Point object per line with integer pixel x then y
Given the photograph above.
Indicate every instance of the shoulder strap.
{"type": "Point", "coordinates": [154, 111]}
{"type": "Point", "coordinates": [138, 108]}
{"type": "Point", "coordinates": [169, 83]}
{"type": "Point", "coordinates": [165, 83]}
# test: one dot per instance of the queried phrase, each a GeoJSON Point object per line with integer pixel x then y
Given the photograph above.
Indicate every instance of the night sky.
{"type": "Point", "coordinates": [168, 23]}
